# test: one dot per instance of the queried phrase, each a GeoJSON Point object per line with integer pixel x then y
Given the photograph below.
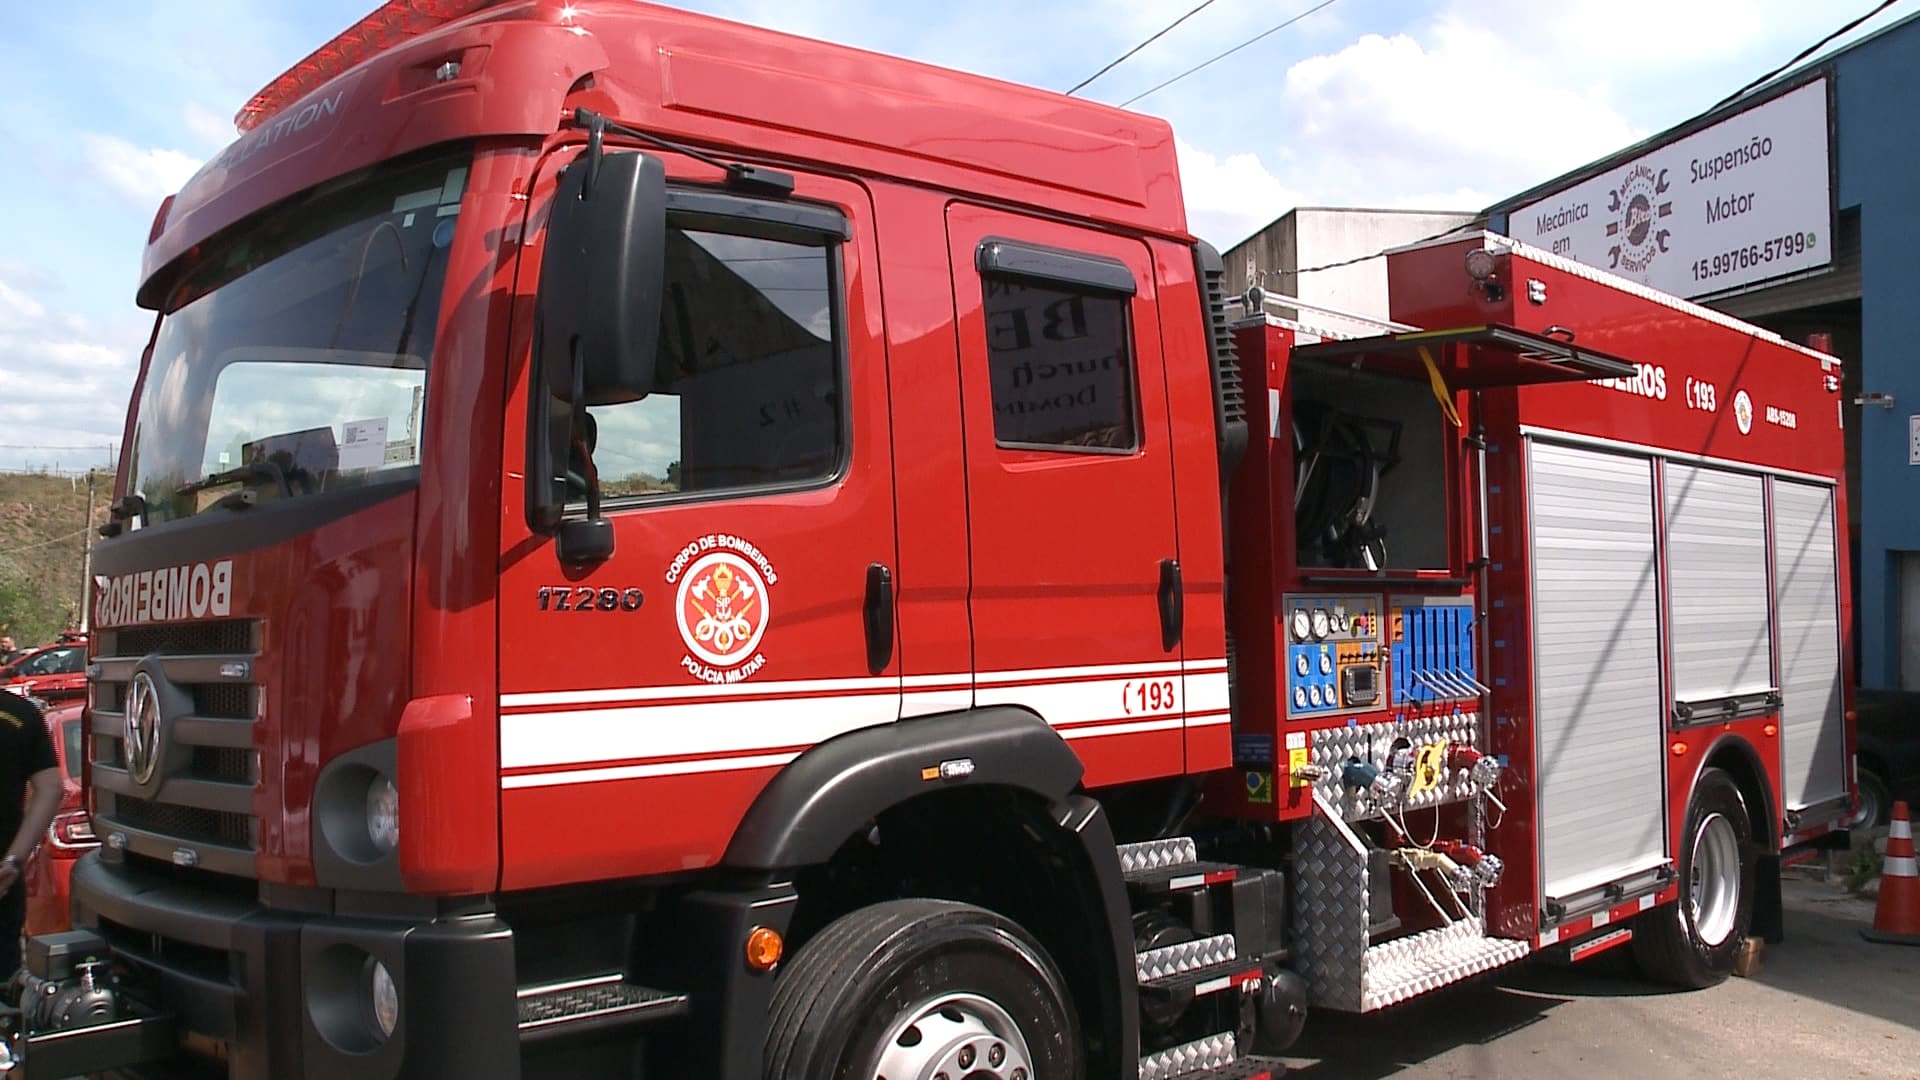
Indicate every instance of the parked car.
{"type": "Point", "coordinates": [71, 834]}
{"type": "Point", "coordinates": [1888, 753]}
{"type": "Point", "coordinates": [56, 672]}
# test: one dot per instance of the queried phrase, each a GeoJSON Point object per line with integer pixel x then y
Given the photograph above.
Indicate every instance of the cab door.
{"type": "Point", "coordinates": [745, 613]}
{"type": "Point", "coordinates": [1076, 598]}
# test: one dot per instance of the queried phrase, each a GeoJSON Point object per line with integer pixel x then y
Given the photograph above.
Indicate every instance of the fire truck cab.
{"type": "Point", "coordinates": [651, 547]}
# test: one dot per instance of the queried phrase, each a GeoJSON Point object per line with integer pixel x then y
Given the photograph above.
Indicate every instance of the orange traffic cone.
{"type": "Point", "coordinates": [1896, 920]}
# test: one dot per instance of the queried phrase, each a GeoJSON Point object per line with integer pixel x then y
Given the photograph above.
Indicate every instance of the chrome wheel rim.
{"type": "Point", "coordinates": [1714, 891]}
{"type": "Point", "coordinates": [954, 1037]}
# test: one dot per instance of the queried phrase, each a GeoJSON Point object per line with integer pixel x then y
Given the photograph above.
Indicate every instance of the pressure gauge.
{"type": "Point", "coordinates": [1313, 695]}
{"type": "Point", "coordinates": [1299, 697]}
{"type": "Point", "coordinates": [1303, 665]}
{"type": "Point", "coordinates": [1326, 664]}
{"type": "Point", "coordinates": [1322, 624]}
{"type": "Point", "coordinates": [1301, 625]}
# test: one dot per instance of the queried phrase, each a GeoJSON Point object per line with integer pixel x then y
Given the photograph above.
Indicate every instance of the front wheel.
{"type": "Point", "coordinates": [918, 989]}
{"type": "Point", "coordinates": [1694, 943]}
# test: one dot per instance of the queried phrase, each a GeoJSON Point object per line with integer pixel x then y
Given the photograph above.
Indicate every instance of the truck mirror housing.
{"type": "Point", "coordinates": [598, 316]}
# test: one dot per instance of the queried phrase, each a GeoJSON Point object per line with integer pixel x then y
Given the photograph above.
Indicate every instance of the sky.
{"type": "Point", "coordinates": [106, 108]}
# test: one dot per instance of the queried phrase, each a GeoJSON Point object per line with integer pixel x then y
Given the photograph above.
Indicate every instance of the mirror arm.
{"type": "Point", "coordinates": [596, 138]}
{"type": "Point", "coordinates": [589, 541]}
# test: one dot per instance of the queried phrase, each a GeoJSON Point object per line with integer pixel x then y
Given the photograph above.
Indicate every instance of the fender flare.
{"type": "Point", "coordinates": [1740, 746]}
{"type": "Point", "coordinates": [826, 794]}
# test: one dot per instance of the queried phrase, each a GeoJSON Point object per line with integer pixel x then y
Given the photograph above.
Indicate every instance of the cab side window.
{"type": "Point", "coordinates": [1061, 364]}
{"type": "Point", "coordinates": [749, 391]}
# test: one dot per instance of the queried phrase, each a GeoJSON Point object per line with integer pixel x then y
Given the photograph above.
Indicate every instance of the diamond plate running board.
{"type": "Point", "coordinates": [1158, 855]}
{"type": "Point", "coordinates": [1212, 1052]}
{"type": "Point", "coordinates": [1184, 957]}
{"type": "Point", "coordinates": [1413, 965]}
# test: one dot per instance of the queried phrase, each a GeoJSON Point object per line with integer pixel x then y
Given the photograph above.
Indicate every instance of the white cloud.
{"type": "Point", "coordinates": [212, 130]}
{"type": "Point", "coordinates": [1229, 197]}
{"type": "Point", "coordinates": [144, 174]}
{"type": "Point", "coordinates": [64, 381]}
{"type": "Point", "coordinates": [1413, 113]}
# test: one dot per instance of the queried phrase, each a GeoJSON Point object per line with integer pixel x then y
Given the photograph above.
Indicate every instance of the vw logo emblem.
{"type": "Point", "coordinates": [142, 731]}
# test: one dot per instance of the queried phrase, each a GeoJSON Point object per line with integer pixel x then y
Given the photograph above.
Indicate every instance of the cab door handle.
{"type": "Point", "coordinates": [878, 617]}
{"type": "Point", "coordinates": [1172, 608]}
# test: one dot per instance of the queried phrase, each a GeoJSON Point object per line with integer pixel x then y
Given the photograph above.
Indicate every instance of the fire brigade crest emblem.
{"type": "Point", "coordinates": [1640, 208]}
{"type": "Point", "coordinates": [722, 607]}
{"type": "Point", "coordinates": [1743, 411]}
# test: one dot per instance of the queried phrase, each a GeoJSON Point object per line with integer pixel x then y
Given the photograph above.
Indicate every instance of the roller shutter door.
{"type": "Point", "coordinates": [1813, 743]}
{"type": "Point", "coordinates": [1717, 564]}
{"type": "Point", "coordinates": [1598, 716]}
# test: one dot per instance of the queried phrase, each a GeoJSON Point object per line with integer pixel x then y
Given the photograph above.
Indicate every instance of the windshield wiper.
{"type": "Point", "coordinates": [252, 470]}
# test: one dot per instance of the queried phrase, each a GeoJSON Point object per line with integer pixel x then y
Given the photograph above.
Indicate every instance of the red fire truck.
{"type": "Point", "coordinates": [651, 547]}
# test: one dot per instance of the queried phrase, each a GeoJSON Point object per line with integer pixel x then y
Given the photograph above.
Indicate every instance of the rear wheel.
{"type": "Point", "coordinates": [1694, 943]}
{"type": "Point", "coordinates": [919, 989]}
{"type": "Point", "coordinates": [1874, 801]}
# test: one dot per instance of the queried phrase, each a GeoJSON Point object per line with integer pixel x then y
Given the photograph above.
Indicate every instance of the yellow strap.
{"type": "Point", "coordinates": [1440, 391]}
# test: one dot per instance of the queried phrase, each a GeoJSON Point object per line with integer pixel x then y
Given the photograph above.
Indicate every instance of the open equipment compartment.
{"type": "Point", "coordinates": [1375, 428]}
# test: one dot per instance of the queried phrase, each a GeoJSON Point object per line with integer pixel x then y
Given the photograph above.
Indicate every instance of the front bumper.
{"type": "Point", "coordinates": [260, 993]}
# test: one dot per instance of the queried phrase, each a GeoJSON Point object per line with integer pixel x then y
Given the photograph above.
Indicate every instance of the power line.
{"type": "Point", "coordinates": [41, 446]}
{"type": "Point", "coordinates": [44, 543]}
{"type": "Point", "coordinates": [1804, 53]}
{"type": "Point", "coordinates": [1129, 53]}
{"type": "Point", "coordinates": [1229, 52]}
{"type": "Point", "coordinates": [1377, 254]}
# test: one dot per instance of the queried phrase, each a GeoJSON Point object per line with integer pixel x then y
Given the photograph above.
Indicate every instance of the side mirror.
{"type": "Point", "coordinates": [598, 315]}
{"type": "Point", "coordinates": [596, 322]}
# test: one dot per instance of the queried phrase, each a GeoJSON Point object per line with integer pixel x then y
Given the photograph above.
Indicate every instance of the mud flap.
{"type": "Point", "coordinates": [1769, 914]}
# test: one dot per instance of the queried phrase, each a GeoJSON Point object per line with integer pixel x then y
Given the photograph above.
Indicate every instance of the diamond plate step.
{"type": "Point", "coordinates": [1154, 855]}
{"type": "Point", "coordinates": [1246, 1068]}
{"type": "Point", "coordinates": [1170, 960]}
{"type": "Point", "coordinates": [1194, 875]}
{"type": "Point", "coordinates": [1398, 970]}
{"type": "Point", "coordinates": [573, 1008]}
{"type": "Point", "coordinates": [1197, 1057]}
{"type": "Point", "coordinates": [1207, 980]}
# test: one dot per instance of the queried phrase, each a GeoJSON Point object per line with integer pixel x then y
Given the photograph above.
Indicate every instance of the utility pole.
{"type": "Point", "coordinates": [86, 554]}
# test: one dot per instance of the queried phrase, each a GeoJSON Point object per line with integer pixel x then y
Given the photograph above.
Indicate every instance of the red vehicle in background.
{"type": "Point", "coordinates": [56, 672]}
{"type": "Point", "coordinates": [71, 834]}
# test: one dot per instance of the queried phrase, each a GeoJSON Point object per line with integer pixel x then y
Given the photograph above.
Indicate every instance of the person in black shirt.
{"type": "Point", "coordinates": [26, 762]}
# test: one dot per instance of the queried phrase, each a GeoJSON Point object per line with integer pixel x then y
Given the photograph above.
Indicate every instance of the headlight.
{"type": "Point", "coordinates": [386, 999]}
{"type": "Point", "coordinates": [383, 815]}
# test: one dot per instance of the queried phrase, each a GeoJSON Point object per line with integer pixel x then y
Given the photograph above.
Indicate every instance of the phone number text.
{"type": "Point", "coordinates": [1780, 247]}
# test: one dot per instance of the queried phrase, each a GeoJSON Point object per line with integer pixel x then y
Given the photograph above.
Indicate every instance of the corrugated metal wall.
{"type": "Point", "coordinates": [1598, 711]}
{"type": "Point", "coordinates": [1813, 745]}
{"type": "Point", "coordinates": [1717, 566]}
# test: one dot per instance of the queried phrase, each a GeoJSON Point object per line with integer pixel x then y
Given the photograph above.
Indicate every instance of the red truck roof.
{"type": "Point", "coordinates": [382, 89]}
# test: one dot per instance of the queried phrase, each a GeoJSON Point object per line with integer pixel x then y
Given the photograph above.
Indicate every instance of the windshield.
{"type": "Point", "coordinates": [70, 734]}
{"type": "Point", "coordinates": [51, 662]}
{"type": "Point", "coordinates": [297, 363]}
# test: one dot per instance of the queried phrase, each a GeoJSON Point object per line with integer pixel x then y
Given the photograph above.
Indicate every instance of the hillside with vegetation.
{"type": "Point", "coordinates": [43, 526]}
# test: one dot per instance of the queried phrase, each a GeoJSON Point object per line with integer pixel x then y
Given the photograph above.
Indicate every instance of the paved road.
{"type": "Point", "coordinates": [1826, 1006]}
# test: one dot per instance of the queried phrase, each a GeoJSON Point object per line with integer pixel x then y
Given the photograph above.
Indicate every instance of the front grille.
{"type": "Point", "coordinates": [171, 954]}
{"type": "Point", "coordinates": [182, 639]}
{"type": "Point", "coordinates": [223, 701]}
{"type": "Point", "coordinates": [223, 711]}
{"type": "Point", "coordinates": [222, 763]}
{"type": "Point", "coordinates": [184, 822]}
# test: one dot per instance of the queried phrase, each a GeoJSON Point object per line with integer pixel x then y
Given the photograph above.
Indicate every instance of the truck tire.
{"type": "Point", "coordinates": [1875, 801]}
{"type": "Point", "coordinates": [1693, 943]}
{"type": "Point", "coordinates": [911, 988]}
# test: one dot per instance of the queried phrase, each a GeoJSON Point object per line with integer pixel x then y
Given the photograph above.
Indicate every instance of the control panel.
{"type": "Point", "coordinates": [1431, 643]}
{"type": "Point", "coordinates": [1334, 655]}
